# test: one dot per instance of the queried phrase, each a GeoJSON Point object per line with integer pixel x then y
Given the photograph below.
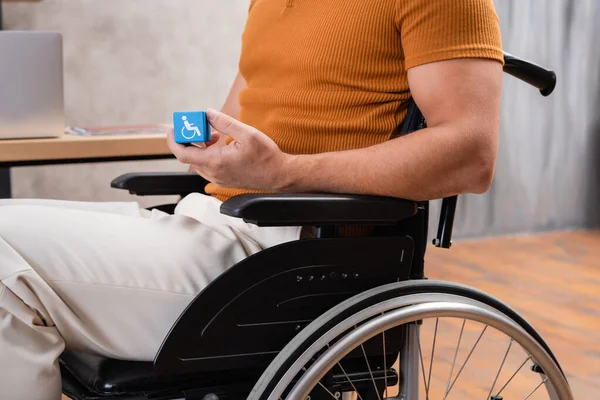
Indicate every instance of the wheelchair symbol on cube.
{"type": "Point", "coordinates": [191, 127]}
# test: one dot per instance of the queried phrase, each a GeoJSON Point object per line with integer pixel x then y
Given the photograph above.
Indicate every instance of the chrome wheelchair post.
{"type": "Point", "coordinates": [409, 364]}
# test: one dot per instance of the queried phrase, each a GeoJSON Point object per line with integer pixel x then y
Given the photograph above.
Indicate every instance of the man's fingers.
{"type": "Point", "coordinates": [184, 154]}
{"type": "Point", "coordinates": [195, 153]}
{"type": "Point", "coordinates": [174, 147]}
{"type": "Point", "coordinates": [214, 138]}
{"type": "Point", "coordinates": [227, 125]}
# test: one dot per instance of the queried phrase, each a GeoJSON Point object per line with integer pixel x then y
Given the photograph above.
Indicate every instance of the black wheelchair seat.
{"type": "Point", "coordinates": [105, 376]}
{"type": "Point", "coordinates": [87, 376]}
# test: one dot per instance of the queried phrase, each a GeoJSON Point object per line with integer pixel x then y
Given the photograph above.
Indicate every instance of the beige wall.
{"type": "Point", "coordinates": [129, 62]}
{"type": "Point", "coordinates": [132, 61]}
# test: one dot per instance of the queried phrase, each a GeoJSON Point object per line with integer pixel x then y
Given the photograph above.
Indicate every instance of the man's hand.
{"type": "Point", "coordinates": [251, 160]}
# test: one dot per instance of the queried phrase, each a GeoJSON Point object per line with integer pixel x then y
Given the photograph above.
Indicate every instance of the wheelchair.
{"type": "Point", "coordinates": [333, 315]}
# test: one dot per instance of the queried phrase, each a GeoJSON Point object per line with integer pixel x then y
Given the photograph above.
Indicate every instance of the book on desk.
{"type": "Point", "coordinates": [118, 130]}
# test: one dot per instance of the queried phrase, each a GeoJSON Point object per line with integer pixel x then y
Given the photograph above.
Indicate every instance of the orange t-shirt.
{"type": "Point", "coordinates": [331, 75]}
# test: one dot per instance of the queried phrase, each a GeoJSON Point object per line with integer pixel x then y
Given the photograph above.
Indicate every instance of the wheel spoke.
{"type": "Point", "coordinates": [500, 369]}
{"type": "Point", "coordinates": [323, 386]}
{"type": "Point", "coordinates": [328, 391]}
{"type": "Point", "coordinates": [536, 388]}
{"type": "Point", "coordinates": [513, 375]}
{"type": "Point", "coordinates": [437, 320]}
{"type": "Point", "coordinates": [384, 363]}
{"type": "Point", "coordinates": [466, 360]}
{"type": "Point", "coordinates": [370, 372]}
{"type": "Point", "coordinates": [462, 328]}
{"type": "Point", "coordinates": [347, 377]}
{"type": "Point", "coordinates": [350, 381]}
{"type": "Point", "coordinates": [422, 366]}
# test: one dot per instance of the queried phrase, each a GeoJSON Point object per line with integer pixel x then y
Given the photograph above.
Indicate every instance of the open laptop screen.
{"type": "Point", "coordinates": [31, 84]}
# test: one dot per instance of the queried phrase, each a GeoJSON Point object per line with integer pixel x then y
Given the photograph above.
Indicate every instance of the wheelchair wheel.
{"type": "Point", "coordinates": [456, 342]}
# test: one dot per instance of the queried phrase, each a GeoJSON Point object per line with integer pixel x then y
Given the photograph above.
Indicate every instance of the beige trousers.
{"type": "Point", "coordinates": [106, 278]}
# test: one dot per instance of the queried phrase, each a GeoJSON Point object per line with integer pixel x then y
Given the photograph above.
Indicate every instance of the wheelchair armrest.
{"type": "Point", "coordinates": [318, 209]}
{"type": "Point", "coordinates": [160, 183]}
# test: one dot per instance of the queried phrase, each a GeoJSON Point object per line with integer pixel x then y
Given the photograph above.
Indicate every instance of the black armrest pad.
{"type": "Point", "coordinates": [318, 209]}
{"type": "Point", "coordinates": [160, 183]}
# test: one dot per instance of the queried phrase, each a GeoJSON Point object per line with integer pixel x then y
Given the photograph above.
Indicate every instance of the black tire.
{"type": "Point", "coordinates": [280, 365]}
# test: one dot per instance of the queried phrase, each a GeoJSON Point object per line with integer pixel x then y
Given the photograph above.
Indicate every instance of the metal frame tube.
{"type": "Point", "coordinates": [409, 364]}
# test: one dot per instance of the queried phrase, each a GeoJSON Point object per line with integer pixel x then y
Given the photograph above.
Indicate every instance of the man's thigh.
{"type": "Point", "coordinates": [123, 208]}
{"type": "Point", "coordinates": [109, 282]}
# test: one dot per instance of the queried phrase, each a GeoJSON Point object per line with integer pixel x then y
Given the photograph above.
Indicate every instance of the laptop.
{"type": "Point", "coordinates": [31, 85]}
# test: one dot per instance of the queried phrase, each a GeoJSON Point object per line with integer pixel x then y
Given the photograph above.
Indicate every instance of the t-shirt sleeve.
{"type": "Point", "coordinates": [438, 30]}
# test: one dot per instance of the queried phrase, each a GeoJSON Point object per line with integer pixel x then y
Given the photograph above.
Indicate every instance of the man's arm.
{"type": "Point", "coordinates": [455, 154]}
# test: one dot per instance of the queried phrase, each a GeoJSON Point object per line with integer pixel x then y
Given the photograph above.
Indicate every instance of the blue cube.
{"type": "Point", "coordinates": [191, 127]}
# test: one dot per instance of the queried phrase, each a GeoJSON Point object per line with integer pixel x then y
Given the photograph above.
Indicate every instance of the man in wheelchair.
{"type": "Point", "coordinates": [309, 194]}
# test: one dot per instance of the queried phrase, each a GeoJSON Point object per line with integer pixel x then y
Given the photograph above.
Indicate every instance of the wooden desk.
{"type": "Point", "coordinates": [70, 149]}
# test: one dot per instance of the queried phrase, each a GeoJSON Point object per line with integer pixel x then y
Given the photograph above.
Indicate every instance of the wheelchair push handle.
{"type": "Point", "coordinates": [541, 78]}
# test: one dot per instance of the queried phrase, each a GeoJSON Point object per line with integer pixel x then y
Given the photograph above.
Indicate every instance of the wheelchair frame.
{"type": "Point", "coordinates": [229, 334]}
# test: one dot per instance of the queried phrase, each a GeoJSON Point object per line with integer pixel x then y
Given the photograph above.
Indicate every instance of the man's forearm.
{"type": "Point", "coordinates": [432, 163]}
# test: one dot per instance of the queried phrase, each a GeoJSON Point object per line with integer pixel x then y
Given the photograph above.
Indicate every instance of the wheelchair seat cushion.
{"type": "Point", "coordinates": [103, 376]}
